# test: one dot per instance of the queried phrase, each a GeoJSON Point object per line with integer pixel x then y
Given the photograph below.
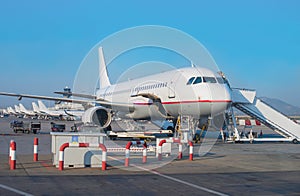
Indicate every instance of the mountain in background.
{"type": "Point", "coordinates": [282, 106]}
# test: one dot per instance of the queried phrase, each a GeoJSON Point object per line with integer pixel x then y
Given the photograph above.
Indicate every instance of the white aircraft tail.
{"type": "Point", "coordinates": [5, 111]}
{"type": "Point", "coordinates": [35, 107]}
{"type": "Point", "coordinates": [104, 80]}
{"type": "Point", "coordinates": [42, 106]}
{"type": "Point", "coordinates": [11, 110]}
{"type": "Point", "coordinates": [22, 108]}
{"type": "Point", "coordinates": [17, 109]}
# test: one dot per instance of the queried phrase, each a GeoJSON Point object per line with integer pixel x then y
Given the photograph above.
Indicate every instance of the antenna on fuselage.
{"type": "Point", "coordinates": [103, 76]}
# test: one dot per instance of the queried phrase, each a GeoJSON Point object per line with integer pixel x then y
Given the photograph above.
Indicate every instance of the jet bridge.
{"type": "Point", "coordinates": [246, 101]}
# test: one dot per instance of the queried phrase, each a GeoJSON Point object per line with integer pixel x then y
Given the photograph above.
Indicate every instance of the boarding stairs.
{"type": "Point", "coordinates": [247, 102]}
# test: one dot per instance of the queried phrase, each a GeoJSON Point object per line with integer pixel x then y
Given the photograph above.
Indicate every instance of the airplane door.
{"type": "Point", "coordinates": [172, 85]}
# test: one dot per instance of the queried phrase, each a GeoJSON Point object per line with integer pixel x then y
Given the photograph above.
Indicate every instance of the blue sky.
{"type": "Point", "coordinates": [255, 43]}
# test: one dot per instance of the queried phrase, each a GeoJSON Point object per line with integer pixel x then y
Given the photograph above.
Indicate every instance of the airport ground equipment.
{"type": "Point", "coordinates": [246, 101]}
{"type": "Point", "coordinates": [77, 157]}
{"type": "Point", "coordinates": [149, 134]}
{"type": "Point", "coordinates": [185, 128]}
{"type": "Point", "coordinates": [136, 143]}
{"type": "Point", "coordinates": [55, 127]}
{"type": "Point", "coordinates": [35, 127]}
{"type": "Point", "coordinates": [85, 145]}
{"type": "Point", "coordinates": [25, 127]}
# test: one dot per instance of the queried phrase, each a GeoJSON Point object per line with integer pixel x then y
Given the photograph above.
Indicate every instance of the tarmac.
{"type": "Point", "coordinates": [217, 169]}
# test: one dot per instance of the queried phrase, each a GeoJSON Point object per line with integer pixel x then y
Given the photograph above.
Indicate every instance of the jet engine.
{"type": "Point", "coordinates": [98, 116]}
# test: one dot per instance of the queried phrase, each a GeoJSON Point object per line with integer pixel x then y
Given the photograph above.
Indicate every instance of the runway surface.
{"type": "Point", "coordinates": [226, 169]}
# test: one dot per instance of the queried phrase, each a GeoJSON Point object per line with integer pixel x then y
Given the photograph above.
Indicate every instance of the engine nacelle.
{"type": "Point", "coordinates": [98, 116]}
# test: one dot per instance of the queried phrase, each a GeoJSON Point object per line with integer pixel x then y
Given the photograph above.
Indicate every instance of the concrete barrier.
{"type": "Point", "coordinates": [66, 145]}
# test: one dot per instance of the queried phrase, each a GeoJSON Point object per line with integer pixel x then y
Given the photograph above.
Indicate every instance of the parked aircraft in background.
{"type": "Point", "coordinates": [4, 113]}
{"type": "Point", "coordinates": [50, 113]}
{"type": "Point", "coordinates": [25, 112]}
{"type": "Point", "coordinates": [17, 109]}
{"type": "Point", "coordinates": [11, 111]}
{"type": "Point", "coordinates": [77, 114]}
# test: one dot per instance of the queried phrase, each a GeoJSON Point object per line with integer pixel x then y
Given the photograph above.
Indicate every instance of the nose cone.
{"type": "Point", "coordinates": [221, 98]}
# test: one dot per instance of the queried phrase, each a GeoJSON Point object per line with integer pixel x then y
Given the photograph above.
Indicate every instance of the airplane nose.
{"type": "Point", "coordinates": [221, 98]}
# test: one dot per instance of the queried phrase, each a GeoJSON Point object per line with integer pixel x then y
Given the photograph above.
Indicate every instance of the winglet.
{"type": "Point", "coordinates": [104, 80]}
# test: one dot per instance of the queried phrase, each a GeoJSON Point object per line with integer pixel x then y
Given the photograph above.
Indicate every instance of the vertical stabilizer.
{"type": "Point", "coordinates": [22, 108]}
{"type": "Point", "coordinates": [17, 109]}
{"type": "Point", "coordinates": [35, 107]}
{"type": "Point", "coordinates": [42, 107]}
{"type": "Point", "coordinates": [104, 80]}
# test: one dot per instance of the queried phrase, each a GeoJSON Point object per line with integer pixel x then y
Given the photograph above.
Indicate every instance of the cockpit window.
{"type": "Point", "coordinates": [198, 80]}
{"type": "Point", "coordinates": [220, 80]}
{"type": "Point", "coordinates": [190, 81]}
{"type": "Point", "coordinates": [209, 80]}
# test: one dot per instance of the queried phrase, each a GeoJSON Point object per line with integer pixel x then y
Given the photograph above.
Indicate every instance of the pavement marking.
{"type": "Point", "coordinates": [175, 179]}
{"type": "Point", "coordinates": [182, 182]}
{"type": "Point", "coordinates": [14, 190]}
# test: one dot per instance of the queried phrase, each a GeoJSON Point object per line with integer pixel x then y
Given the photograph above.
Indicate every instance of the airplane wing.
{"type": "Point", "coordinates": [107, 104]}
{"type": "Point", "coordinates": [156, 103]}
{"type": "Point", "coordinates": [77, 95]}
{"type": "Point", "coordinates": [153, 97]}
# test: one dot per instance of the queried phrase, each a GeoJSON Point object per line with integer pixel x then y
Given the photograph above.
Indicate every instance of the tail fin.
{"type": "Point", "coordinates": [17, 109]}
{"type": "Point", "coordinates": [42, 107]}
{"type": "Point", "coordinates": [22, 108]}
{"type": "Point", "coordinates": [104, 80]}
{"type": "Point", "coordinates": [12, 110]}
{"type": "Point", "coordinates": [35, 107]}
{"type": "Point", "coordinates": [5, 111]}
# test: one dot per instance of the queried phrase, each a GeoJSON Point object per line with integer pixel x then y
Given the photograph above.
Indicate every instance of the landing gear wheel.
{"type": "Point", "coordinates": [197, 138]}
{"type": "Point", "coordinates": [295, 141]}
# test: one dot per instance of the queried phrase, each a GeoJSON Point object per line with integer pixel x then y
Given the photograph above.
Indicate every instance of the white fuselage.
{"type": "Point", "coordinates": [203, 97]}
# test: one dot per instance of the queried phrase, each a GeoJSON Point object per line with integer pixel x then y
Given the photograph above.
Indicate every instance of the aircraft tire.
{"type": "Point", "coordinates": [295, 141]}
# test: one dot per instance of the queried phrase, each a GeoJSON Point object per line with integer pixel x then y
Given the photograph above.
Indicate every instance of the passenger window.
{"type": "Point", "coordinates": [190, 81]}
{"type": "Point", "coordinates": [209, 80]}
{"type": "Point", "coordinates": [198, 80]}
{"type": "Point", "coordinates": [220, 80]}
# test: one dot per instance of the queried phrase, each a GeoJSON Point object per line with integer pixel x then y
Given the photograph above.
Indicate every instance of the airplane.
{"type": "Point", "coordinates": [191, 91]}
{"type": "Point", "coordinates": [11, 111]}
{"type": "Point", "coordinates": [36, 108]}
{"type": "Point", "coordinates": [50, 113]}
{"type": "Point", "coordinates": [18, 112]}
{"type": "Point", "coordinates": [25, 112]}
{"type": "Point", "coordinates": [37, 111]}
{"type": "Point", "coordinates": [4, 113]}
{"type": "Point", "coordinates": [77, 114]}
{"type": "Point", "coordinates": [17, 109]}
